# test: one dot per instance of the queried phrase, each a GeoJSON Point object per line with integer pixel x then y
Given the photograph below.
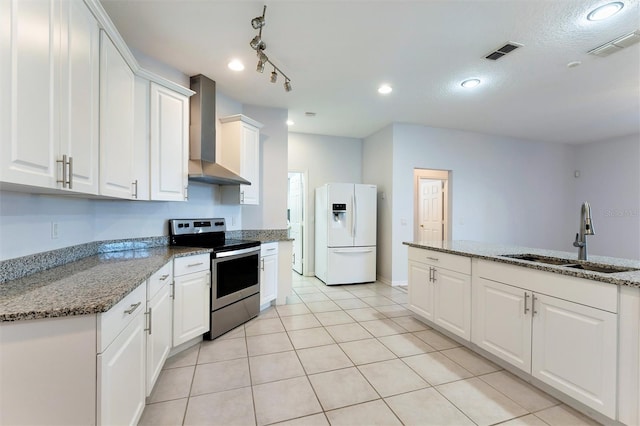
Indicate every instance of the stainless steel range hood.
{"type": "Point", "coordinates": [202, 137]}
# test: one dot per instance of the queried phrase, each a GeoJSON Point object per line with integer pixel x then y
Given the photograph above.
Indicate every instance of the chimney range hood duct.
{"type": "Point", "coordinates": [202, 137]}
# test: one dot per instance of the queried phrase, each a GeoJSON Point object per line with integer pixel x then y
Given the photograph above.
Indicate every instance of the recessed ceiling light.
{"type": "Point", "coordinates": [235, 65]}
{"type": "Point", "coordinates": [468, 84]}
{"type": "Point", "coordinates": [574, 64]}
{"type": "Point", "coordinates": [605, 11]}
{"type": "Point", "coordinates": [385, 89]}
{"type": "Point", "coordinates": [290, 123]}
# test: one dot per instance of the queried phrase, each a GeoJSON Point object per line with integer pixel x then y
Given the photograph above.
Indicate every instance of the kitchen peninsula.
{"type": "Point", "coordinates": [565, 325]}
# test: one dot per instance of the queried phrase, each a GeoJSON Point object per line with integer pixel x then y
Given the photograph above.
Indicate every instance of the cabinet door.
{"type": "Point", "coordinates": [169, 144]}
{"type": "Point", "coordinates": [117, 86]}
{"type": "Point", "coordinates": [421, 290]}
{"type": "Point", "coordinates": [452, 301]}
{"type": "Point", "coordinates": [121, 377]}
{"type": "Point", "coordinates": [79, 95]}
{"type": "Point", "coordinates": [159, 333]}
{"type": "Point", "coordinates": [268, 278]}
{"type": "Point", "coordinates": [142, 141]}
{"type": "Point", "coordinates": [191, 304]}
{"type": "Point", "coordinates": [29, 123]}
{"type": "Point", "coordinates": [250, 164]}
{"type": "Point", "coordinates": [502, 321]}
{"type": "Point", "coordinates": [574, 350]}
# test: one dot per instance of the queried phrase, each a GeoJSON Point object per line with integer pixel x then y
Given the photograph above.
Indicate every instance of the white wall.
{"type": "Point", "coordinates": [377, 156]}
{"type": "Point", "coordinates": [271, 213]}
{"type": "Point", "coordinates": [503, 190]}
{"type": "Point", "coordinates": [610, 181]}
{"type": "Point", "coordinates": [325, 159]}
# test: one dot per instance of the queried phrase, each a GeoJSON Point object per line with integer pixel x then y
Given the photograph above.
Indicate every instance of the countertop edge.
{"type": "Point", "coordinates": [620, 278]}
{"type": "Point", "coordinates": [115, 287]}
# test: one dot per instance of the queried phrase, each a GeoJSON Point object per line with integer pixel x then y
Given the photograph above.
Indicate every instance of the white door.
{"type": "Point", "coordinates": [169, 144]}
{"type": "Point", "coordinates": [79, 96]}
{"type": "Point", "coordinates": [502, 321]}
{"type": "Point", "coordinates": [430, 210]}
{"type": "Point", "coordinates": [574, 350]}
{"type": "Point", "coordinates": [421, 290]}
{"type": "Point", "coordinates": [191, 311]}
{"type": "Point", "coordinates": [452, 301]}
{"type": "Point", "coordinates": [340, 224]}
{"type": "Point", "coordinates": [117, 93]}
{"type": "Point", "coordinates": [28, 102]}
{"type": "Point", "coordinates": [296, 219]}
{"type": "Point", "coordinates": [364, 215]}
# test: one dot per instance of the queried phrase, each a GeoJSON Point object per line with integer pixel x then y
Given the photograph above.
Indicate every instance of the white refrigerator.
{"type": "Point", "coordinates": [345, 233]}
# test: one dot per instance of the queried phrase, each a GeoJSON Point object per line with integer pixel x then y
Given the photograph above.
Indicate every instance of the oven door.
{"type": "Point", "coordinates": [235, 275]}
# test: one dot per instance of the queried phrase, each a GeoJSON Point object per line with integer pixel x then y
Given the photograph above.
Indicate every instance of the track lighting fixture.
{"type": "Point", "coordinates": [259, 46]}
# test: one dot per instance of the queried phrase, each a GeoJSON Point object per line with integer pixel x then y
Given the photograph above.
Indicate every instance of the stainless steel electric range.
{"type": "Point", "coordinates": [235, 271]}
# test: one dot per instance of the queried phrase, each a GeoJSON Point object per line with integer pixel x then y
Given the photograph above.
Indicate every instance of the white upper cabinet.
{"type": "Point", "coordinates": [169, 121]}
{"type": "Point", "coordinates": [239, 151]}
{"type": "Point", "coordinates": [117, 88]}
{"type": "Point", "coordinates": [49, 70]}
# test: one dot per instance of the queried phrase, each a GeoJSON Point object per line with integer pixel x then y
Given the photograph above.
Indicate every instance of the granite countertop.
{"type": "Point", "coordinates": [87, 286]}
{"type": "Point", "coordinates": [496, 253]}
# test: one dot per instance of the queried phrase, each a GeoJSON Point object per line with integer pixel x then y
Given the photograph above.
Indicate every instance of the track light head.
{"type": "Point", "coordinates": [274, 76]}
{"type": "Point", "coordinates": [260, 66]}
{"type": "Point", "coordinates": [258, 22]}
{"type": "Point", "coordinates": [257, 43]}
{"type": "Point", "coordinates": [287, 85]}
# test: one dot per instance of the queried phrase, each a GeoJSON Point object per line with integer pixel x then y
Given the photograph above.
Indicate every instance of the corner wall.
{"type": "Point", "coordinates": [325, 159]}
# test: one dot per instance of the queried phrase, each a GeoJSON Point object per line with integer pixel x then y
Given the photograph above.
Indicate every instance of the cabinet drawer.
{"type": "Point", "coordinates": [159, 279]}
{"type": "Point", "coordinates": [452, 262]}
{"type": "Point", "coordinates": [112, 322]}
{"type": "Point", "coordinates": [191, 264]}
{"type": "Point", "coordinates": [267, 249]}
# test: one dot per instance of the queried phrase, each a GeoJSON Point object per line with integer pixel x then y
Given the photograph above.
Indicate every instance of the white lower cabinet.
{"type": "Point", "coordinates": [121, 361]}
{"type": "Point", "coordinates": [191, 303]}
{"type": "Point", "coordinates": [268, 273]}
{"type": "Point", "coordinates": [440, 290]}
{"type": "Point", "coordinates": [568, 345]}
{"type": "Point", "coordinates": [159, 323]}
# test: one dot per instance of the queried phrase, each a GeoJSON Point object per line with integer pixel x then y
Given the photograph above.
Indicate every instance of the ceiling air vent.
{"type": "Point", "coordinates": [501, 51]}
{"type": "Point", "coordinates": [616, 45]}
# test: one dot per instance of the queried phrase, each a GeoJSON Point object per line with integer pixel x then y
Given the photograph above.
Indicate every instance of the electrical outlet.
{"type": "Point", "coordinates": [54, 230]}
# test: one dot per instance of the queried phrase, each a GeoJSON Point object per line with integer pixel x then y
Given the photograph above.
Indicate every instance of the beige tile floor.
{"type": "Point", "coordinates": [343, 355]}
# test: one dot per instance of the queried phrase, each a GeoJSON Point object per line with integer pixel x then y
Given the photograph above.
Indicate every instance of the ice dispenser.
{"type": "Point", "coordinates": [339, 215]}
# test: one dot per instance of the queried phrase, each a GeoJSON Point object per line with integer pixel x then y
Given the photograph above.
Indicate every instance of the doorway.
{"type": "Point", "coordinates": [431, 201]}
{"type": "Point", "coordinates": [295, 219]}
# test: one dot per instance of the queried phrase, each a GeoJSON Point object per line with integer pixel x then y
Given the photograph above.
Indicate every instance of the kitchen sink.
{"type": "Point", "coordinates": [570, 263]}
{"type": "Point", "coordinates": [539, 259]}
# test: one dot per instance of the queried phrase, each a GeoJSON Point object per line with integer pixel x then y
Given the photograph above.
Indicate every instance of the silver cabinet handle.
{"type": "Point", "coordinates": [172, 295]}
{"type": "Point", "coordinates": [70, 172]}
{"type": "Point", "coordinates": [271, 249]}
{"type": "Point", "coordinates": [66, 179]}
{"type": "Point", "coordinates": [435, 259]}
{"type": "Point", "coordinates": [434, 274]}
{"type": "Point", "coordinates": [533, 305]}
{"type": "Point", "coordinates": [132, 308]}
{"type": "Point", "coordinates": [149, 316]}
{"type": "Point", "coordinates": [262, 264]}
{"type": "Point", "coordinates": [241, 197]}
{"type": "Point", "coordinates": [164, 277]}
{"type": "Point", "coordinates": [526, 296]}
{"type": "Point", "coordinates": [135, 191]}
{"type": "Point", "coordinates": [191, 265]}
{"type": "Point", "coordinates": [294, 258]}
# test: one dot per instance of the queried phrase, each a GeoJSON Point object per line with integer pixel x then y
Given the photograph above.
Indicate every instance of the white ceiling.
{"type": "Point", "coordinates": [337, 53]}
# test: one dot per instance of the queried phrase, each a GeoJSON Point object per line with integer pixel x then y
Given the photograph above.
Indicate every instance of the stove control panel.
{"type": "Point", "coordinates": [196, 226]}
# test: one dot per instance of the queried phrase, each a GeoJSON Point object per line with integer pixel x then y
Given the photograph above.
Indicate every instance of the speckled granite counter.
{"type": "Point", "coordinates": [262, 235]}
{"type": "Point", "coordinates": [496, 253]}
{"type": "Point", "coordinates": [87, 286]}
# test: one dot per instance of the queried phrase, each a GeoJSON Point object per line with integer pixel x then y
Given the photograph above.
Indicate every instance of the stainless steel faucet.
{"type": "Point", "coordinates": [586, 228]}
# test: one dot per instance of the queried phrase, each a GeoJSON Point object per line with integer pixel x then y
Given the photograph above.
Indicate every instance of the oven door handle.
{"type": "Point", "coordinates": [237, 252]}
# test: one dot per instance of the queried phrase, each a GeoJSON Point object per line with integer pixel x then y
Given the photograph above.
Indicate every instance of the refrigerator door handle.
{"type": "Point", "coordinates": [350, 250]}
{"type": "Point", "coordinates": [355, 215]}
